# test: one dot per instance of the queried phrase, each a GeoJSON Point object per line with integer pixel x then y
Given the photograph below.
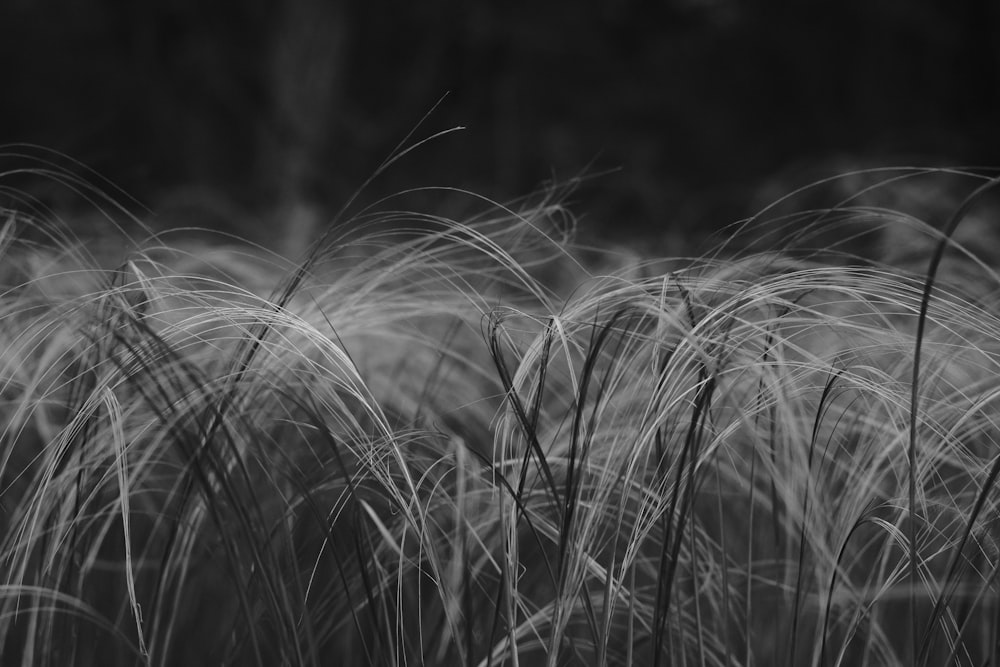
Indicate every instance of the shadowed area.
{"type": "Point", "coordinates": [229, 110]}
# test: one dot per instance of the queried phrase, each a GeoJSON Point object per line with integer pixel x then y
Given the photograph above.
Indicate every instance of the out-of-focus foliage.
{"type": "Point", "coordinates": [260, 102]}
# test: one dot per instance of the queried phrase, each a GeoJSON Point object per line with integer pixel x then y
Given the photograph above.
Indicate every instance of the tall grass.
{"type": "Point", "coordinates": [435, 442]}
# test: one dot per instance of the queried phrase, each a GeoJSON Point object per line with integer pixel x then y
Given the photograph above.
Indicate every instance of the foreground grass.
{"type": "Point", "coordinates": [458, 445]}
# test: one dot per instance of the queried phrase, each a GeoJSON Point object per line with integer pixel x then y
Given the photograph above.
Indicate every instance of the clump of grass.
{"type": "Point", "coordinates": [457, 445]}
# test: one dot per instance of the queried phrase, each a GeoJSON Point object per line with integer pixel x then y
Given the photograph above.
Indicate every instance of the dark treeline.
{"type": "Point", "coordinates": [693, 104]}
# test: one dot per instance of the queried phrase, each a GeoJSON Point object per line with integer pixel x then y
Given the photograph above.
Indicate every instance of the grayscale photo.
{"type": "Point", "coordinates": [391, 334]}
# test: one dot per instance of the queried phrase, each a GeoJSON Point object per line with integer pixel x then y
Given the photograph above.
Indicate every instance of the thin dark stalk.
{"type": "Point", "coordinates": [957, 217]}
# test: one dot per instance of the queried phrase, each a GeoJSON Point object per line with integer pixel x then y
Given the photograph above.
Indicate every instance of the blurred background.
{"type": "Point", "coordinates": [687, 114]}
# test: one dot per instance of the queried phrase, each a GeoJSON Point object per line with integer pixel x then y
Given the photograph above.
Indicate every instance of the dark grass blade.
{"type": "Point", "coordinates": [917, 647]}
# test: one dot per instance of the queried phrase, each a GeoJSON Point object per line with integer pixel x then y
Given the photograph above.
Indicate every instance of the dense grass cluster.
{"type": "Point", "coordinates": [463, 445]}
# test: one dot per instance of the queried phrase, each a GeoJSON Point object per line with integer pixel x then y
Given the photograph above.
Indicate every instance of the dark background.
{"type": "Point", "coordinates": [685, 111]}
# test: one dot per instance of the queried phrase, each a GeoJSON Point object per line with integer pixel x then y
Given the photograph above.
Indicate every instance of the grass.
{"type": "Point", "coordinates": [433, 442]}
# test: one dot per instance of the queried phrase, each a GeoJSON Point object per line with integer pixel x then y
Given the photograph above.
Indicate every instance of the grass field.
{"type": "Point", "coordinates": [474, 443]}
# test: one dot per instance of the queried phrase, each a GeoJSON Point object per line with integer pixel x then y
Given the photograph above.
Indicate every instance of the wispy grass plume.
{"type": "Point", "coordinates": [435, 442]}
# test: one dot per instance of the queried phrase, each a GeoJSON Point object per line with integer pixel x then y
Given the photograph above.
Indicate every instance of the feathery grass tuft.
{"type": "Point", "coordinates": [454, 443]}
